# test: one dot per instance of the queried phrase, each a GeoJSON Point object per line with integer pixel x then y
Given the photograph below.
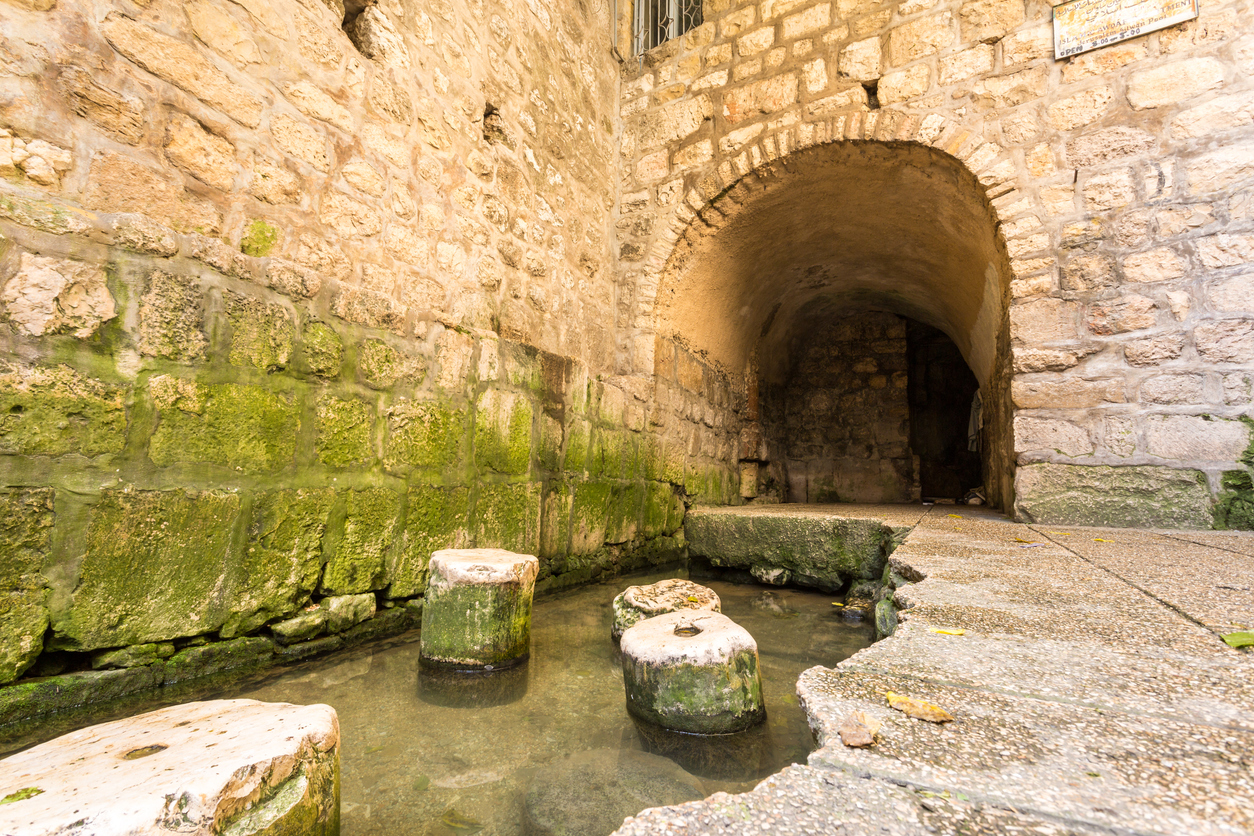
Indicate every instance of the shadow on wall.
{"type": "Point", "coordinates": [864, 234]}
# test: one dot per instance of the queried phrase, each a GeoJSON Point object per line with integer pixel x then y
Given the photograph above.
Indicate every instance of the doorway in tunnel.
{"type": "Point", "coordinates": [869, 406]}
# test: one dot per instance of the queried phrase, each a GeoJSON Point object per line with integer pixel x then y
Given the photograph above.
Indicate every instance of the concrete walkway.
{"type": "Point", "coordinates": [1091, 693]}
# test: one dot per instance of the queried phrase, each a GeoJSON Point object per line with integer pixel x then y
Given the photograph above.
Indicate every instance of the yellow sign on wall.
{"type": "Point", "coordinates": [1083, 25]}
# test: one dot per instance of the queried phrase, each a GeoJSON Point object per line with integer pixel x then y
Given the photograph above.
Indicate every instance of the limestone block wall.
{"type": "Point", "coordinates": [1119, 183]}
{"type": "Point", "coordinates": [283, 311]}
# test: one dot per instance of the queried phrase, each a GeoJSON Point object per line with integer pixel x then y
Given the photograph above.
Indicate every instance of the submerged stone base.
{"type": "Point", "coordinates": [232, 767]}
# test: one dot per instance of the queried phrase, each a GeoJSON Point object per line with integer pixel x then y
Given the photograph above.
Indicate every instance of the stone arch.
{"type": "Point", "coordinates": [908, 225]}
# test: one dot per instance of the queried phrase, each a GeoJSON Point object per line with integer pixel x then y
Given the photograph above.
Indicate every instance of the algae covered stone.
{"type": "Point", "coordinates": [26, 518]}
{"type": "Point", "coordinates": [693, 672]}
{"type": "Point", "coordinates": [1125, 497]}
{"type": "Point", "coordinates": [53, 411]}
{"type": "Point", "coordinates": [637, 603]}
{"type": "Point", "coordinates": [154, 568]}
{"type": "Point", "coordinates": [477, 610]}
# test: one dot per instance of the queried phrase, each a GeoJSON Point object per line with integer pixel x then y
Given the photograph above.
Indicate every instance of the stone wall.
{"type": "Point", "coordinates": [282, 311]}
{"type": "Point", "coordinates": [1119, 183]}
{"type": "Point", "coordinates": [839, 424]}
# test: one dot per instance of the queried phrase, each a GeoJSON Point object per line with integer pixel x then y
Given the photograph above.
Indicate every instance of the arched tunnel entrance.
{"type": "Point", "coordinates": [858, 292]}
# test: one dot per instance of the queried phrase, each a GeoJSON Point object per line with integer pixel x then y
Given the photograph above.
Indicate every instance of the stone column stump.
{"type": "Point", "coordinates": [637, 603]}
{"type": "Point", "coordinates": [692, 672]}
{"type": "Point", "coordinates": [238, 767]}
{"type": "Point", "coordinates": [476, 614]}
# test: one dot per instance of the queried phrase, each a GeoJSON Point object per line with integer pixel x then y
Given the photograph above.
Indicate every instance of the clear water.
{"type": "Point", "coordinates": [420, 754]}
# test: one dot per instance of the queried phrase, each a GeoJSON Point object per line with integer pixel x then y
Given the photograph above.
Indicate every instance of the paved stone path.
{"type": "Point", "coordinates": [1091, 691]}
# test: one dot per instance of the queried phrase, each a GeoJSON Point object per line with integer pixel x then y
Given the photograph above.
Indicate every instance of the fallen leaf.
{"type": "Point", "coordinates": [919, 709]}
{"type": "Point", "coordinates": [1243, 638]}
{"type": "Point", "coordinates": [955, 516]}
{"type": "Point", "coordinates": [858, 730]}
{"type": "Point", "coordinates": [837, 604]}
{"type": "Point", "coordinates": [21, 795]}
{"type": "Point", "coordinates": [1060, 533]}
{"type": "Point", "coordinates": [422, 783]}
{"type": "Point", "coordinates": [1021, 540]}
{"type": "Point", "coordinates": [1100, 540]}
{"type": "Point", "coordinates": [949, 631]}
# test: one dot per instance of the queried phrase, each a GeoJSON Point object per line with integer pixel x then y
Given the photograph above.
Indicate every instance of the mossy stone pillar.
{"type": "Point", "coordinates": [693, 672]}
{"type": "Point", "coordinates": [637, 603]}
{"type": "Point", "coordinates": [477, 609]}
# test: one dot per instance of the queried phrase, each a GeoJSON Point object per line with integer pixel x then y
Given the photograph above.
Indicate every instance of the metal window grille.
{"type": "Point", "coordinates": [657, 21]}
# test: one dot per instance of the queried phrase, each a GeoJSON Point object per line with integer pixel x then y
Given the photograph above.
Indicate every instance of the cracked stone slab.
{"type": "Point", "coordinates": [1135, 679]}
{"type": "Point", "coordinates": [231, 767]}
{"type": "Point", "coordinates": [818, 802]}
{"type": "Point", "coordinates": [1106, 768]}
{"type": "Point", "coordinates": [1213, 586]}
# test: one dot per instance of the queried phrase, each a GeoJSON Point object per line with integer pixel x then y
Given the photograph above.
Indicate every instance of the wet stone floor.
{"type": "Point", "coordinates": [438, 757]}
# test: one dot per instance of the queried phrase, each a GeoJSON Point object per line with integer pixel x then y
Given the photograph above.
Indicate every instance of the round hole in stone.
{"type": "Point", "coordinates": [687, 630]}
{"type": "Point", "coordinates": [144, 751]}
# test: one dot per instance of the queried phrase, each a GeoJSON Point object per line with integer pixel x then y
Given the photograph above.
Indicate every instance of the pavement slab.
{"type": "Point", "coordinates": [1090, 688]}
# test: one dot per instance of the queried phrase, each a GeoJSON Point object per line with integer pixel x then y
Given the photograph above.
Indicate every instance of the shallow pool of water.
{"type": "Point", "coordinates": [424, 755]}
{"type": "Point", "coordinates": [413, 763]}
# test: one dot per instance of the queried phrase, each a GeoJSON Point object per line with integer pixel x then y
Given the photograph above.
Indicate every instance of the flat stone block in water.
{"type": "Point", "coordinates": [231, 767]}
{"type": "Point", "coordinates": [477, 609]}
{"type": "Point", "coordinates": [640, 602]}
{"type": "Point", "coordinates": [694, 673]}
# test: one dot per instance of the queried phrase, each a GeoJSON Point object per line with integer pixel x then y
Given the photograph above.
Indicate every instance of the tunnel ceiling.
{"type": "Point", "coordinates": [895, 227]}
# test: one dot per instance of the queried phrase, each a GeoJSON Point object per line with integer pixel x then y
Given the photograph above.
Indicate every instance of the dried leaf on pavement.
{"type": "Point", "coordinates": [858, 730]}
{"type": "Point", "coordinates": [919, 709]}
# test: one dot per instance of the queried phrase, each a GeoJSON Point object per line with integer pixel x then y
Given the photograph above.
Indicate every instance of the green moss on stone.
{"type": "Point", "coordinates": [262, 333]}
{"type": "Point", "coordinates": [359, 562]}
{"type": "Point", "coordinates": [218, 657]}
{"type": "Point", "coordinates": [345, 431]}
{"type": "Point", "coordinates": [715, 698]}
{"type": "Point", "coordinates": [154, 568]}
{"type": "Point", "coordinates": [26, 519]}
{"type": "Point", "coordinates": [508, 517]}
{"type": "Point", "coordinates": [380, 364]}
{"type": "Point", "coordinates": [503, 433]}
{"type": "Point", "coordinates": [555, 524]}
{"type": "Point", "coordinates": [663, 510]}
{"type": "Point", "coordinates": [1235, 507]}
{"type": "Point", "coordinates": [425, 434]}
{"type": "Point", "coordinates": [589, 517]}
{"type": "Point", "coordinates": [577, 447]}
{"type": "Point", "coordinates": [171, 319]}
{"type": "Point", "coordinates": [435, 518]}
{"type": "Point", "coordinates": [549, 454]}
{"type": "Point", "coordinates": [283, 558]}
{"type": "Point", "coordinates": [54, 411]}
{"type": "Point", "coordinates": [259, 239]}
{"type": "Point", "coordinates": [37, 698]}
{"type": "Point", "coordinates": [321, 349]}
{"type": "Point", "coordinates": [623, 521]}
{"type": "Point", "coordinates": [476, 624]}
{"type": "Point", "coordinates": [242, 427]}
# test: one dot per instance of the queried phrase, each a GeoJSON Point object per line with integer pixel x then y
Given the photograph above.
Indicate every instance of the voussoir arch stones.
{"type": "Point", "coordinates": [230, 767]}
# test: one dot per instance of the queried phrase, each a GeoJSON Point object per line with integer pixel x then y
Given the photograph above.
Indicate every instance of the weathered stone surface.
{"type": "Point", "coordinates": [477, 609]}
{"type": "Point", "coordinates": [205, 155]}
{"type": "Point", "coordinates": [152, 569]}
{"type": "Point", "coordinates": [436, 518]}
{"type": "Point", "coordinates": [57, 411]}
{"type": "Point", "coordinates": [26, 519]}
{"type": "Point", "coordinates": [181, 65]}
{"type": "Point", "coordinates": [359, 560]}
{"type": "Point", "coordinates": [1146, 497]}
{"type": "Point", "coordinates": [171, 318]}
{"type": "Point", "coordinates": [1190, 438]}
{"type": "Point", "coordinates": [779, 549]}
{"type": "Point", "coordinates": [693, 672]}
{"type": "Point", "coordinates": [119, 184]}
{"type": "Point", "coordinates": [230, 766]}
{"type": "Point", "coordinates": [637, 603]}
{"type": "Point", "coordinates": [247, 428]}
{"type": "Point", "coordinates": [1175, 82]}
{"type": "Point", "coordinates": [118, 114]}
{"type": "Point", "coordinates": [283, 559]}
{"type": "Point", "coordinates": [52, 295]}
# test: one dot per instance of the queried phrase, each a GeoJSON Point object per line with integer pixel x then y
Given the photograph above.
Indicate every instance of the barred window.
{"type": "Point", "coordinates": [657, 21]}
